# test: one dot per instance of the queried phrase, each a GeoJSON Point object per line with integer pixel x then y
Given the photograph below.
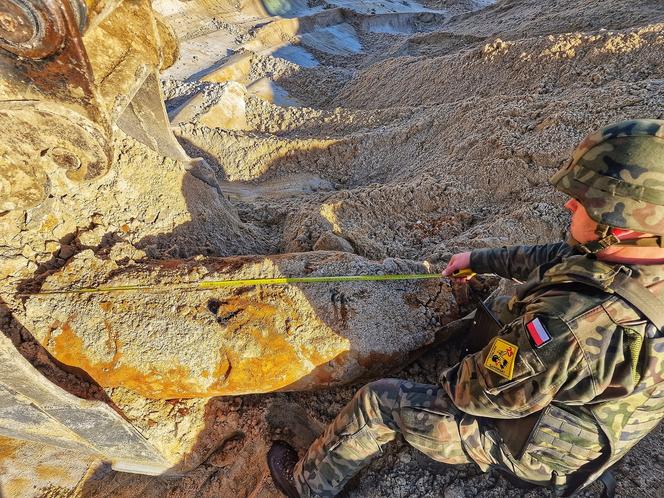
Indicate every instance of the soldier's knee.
{"type": "Point", "coordinates": [380, 391]}
{"type": "Point", "coordinates": [383, 386]}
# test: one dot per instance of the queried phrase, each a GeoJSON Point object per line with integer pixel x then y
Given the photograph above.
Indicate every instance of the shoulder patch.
{"type": "Point", "coordinates": [501, 358]}
{"type": "Point", "coordinates": [538, 333]}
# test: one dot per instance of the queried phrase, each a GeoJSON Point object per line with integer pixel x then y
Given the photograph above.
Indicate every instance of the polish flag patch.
{"type": "Point", "coordinates": [538, 333]}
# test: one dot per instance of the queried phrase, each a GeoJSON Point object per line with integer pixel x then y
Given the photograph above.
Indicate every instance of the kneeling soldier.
{"type": "Point", "coordinates": [576, 376]}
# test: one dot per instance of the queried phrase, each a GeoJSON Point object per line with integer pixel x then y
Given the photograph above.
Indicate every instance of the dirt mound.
{"type": "Point", "coordinates": [556, 64]}
{"type": "Point", "coordinates": [526, 18]}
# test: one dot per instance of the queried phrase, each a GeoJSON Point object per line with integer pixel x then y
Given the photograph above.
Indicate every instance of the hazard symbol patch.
{"type": "Point", "coordinates": [538, 333]}
{"type": "Point", "coordinates": [501, 358]}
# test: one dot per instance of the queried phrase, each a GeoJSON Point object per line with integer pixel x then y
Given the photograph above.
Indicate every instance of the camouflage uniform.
{"type": "Point", "coordinates": [595, 386]}
{"type": "Point", "coordinates": [598, 384]}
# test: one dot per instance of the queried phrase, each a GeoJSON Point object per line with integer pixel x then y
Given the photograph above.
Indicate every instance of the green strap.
{"type": "Point", "coordinates": [641, 298]}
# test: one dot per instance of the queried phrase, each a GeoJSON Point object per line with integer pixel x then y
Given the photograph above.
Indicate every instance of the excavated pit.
{"type": "Point", "coordinates": [397, 130]}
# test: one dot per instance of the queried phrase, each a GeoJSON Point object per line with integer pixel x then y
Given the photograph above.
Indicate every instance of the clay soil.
{"type": "Point", "coordinates": [433, 138]}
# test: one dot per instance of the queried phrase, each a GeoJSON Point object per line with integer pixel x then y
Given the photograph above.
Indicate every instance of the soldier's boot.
{"type": "Point", "coordinates": [291, 423]}
{"type": "Point", "coordinates": [281, 460]}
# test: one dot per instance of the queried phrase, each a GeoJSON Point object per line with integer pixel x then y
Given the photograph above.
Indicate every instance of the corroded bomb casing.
{"type": "Point", "coordinates": [228, 341]}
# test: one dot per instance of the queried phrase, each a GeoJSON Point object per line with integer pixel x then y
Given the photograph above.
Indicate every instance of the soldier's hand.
{"type": "Point", "coordinates": [459, 261]}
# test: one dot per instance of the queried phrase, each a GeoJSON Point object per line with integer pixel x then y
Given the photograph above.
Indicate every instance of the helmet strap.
{"type": "Point", "coordinates": [607, 239]}
{"type": "Point", "coordinates": [595, 246]}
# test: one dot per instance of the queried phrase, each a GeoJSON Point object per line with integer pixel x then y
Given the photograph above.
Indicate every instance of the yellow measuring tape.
{"type": "Point", "coordinates": [464, 273]}
{"type": "Point", "coordinates": [215, 284]}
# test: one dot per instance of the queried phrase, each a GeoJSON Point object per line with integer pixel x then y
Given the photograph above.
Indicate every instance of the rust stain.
{"type": "Point", "coordinates": [17, 486]}
{"type": "Point", "coordinates": [323, 375]}
{"type": "Point", "coordinates": [169, 382]}
{"type": "Point", "coordinates": [9, 448]}
{"type": "Point", "coordinates": [342, 311]}
{"type": "Point", "coordinates": [231, 264]}
{"type": "Point", "coordinates": [412, 300]}
{"type": "Point", "coordinates": [170, 264]}
{"type": "Point", "coordinates": [276, 363]}
{"type": "Point", "coordinates": [267, 357]}
{"type": "Point", "coordinates": [50, 222]}
{"type": "Point", "coordinates": [112, 341]}
{"type": "Point", "coordinates": [45, 471]}
{"type": "Point", "coordinates": [372, 359]}
{"type": "Point", "coordinates": [316, 356]}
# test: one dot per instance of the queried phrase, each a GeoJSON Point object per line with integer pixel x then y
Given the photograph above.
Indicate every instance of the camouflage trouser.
{"type": "Point", "coordinates": [429, 421]}
{"type": "Point", "coordinates": [422, 413]}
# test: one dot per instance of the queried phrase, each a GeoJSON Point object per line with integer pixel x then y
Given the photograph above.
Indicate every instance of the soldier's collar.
{"type": "Point", "coordinates": [582, 268]}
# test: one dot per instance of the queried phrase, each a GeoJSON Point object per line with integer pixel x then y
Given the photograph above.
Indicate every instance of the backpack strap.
{"type": "Point", "coordinates": [625, 286]}
{"type": "Point", "coordinates": [640, 297]}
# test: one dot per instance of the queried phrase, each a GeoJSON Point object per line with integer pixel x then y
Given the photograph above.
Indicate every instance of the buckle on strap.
{"type": "Point", "coordinates": [595, 246]}
{"type": "Point", "coordinates": [602, 230]}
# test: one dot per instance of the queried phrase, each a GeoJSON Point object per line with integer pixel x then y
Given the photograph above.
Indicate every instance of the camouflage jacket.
{"type": "Point", "coordinates": [599, 361]}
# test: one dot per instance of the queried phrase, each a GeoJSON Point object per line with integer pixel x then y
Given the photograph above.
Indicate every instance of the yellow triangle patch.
{"type": "Point", "coordinates": [501, 358]}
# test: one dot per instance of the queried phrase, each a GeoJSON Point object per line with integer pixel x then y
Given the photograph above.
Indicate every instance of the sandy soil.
{"type": "Point", "coordinates": [412, 131]}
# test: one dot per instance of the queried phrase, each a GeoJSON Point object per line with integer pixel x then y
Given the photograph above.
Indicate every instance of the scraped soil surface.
{"type": "Point", "coordinates": [412, 139]}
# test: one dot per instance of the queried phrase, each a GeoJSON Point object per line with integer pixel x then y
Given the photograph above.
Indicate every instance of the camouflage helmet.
{"type": "Point", "coordinates": [617, 174]}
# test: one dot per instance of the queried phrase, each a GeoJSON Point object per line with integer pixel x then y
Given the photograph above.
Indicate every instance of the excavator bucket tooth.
{"type": "Point", "coordinates": [145, 119]}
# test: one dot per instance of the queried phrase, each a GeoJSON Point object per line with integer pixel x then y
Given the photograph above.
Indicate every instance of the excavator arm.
{"type": "Point", "coordinates": [71, 73]}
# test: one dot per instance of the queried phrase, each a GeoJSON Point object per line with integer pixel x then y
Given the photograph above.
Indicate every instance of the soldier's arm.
{"type": "Point", "coordinates": [517, 261]}
{"type": "Point", "coordinates": [538, 372]}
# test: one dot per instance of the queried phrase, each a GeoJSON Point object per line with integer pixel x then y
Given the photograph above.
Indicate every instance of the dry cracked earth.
{"type": "Point", "coordinates": [392, 132]}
